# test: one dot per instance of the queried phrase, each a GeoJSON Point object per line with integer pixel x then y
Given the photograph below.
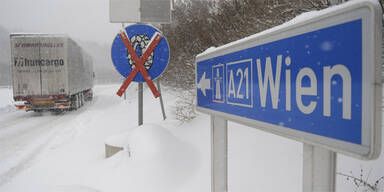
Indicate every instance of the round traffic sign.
{"type": "Point", "coordinates": [140, 36]}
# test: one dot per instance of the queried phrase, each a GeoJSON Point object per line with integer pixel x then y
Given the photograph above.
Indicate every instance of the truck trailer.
{"type": "Point", "coordinates": [50, 73]}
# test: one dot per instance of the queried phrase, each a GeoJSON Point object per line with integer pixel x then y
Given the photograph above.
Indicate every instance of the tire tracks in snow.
{"type": "Point", "coordinates": [15, 119]}
{"type": "Point", "coordinates": [44, 132]}
{"type": "Point", "coordinates": [27, 151]}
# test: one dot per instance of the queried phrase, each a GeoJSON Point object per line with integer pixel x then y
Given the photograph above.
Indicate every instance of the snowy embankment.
{"type": "Point", "coordinates": [66, 152]}
{"type": "Point", "coordinates": [6, 101]}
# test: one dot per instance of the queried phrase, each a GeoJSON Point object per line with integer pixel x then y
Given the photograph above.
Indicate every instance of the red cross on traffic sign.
{"type": "Point", "coordinates": [139, 62]}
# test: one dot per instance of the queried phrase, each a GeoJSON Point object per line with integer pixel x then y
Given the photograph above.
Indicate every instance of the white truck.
{"type": "Point", "coordinates": [50, 73]}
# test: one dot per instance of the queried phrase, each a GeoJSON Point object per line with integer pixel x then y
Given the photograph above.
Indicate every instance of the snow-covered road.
{"type": "Point", "coordinates": [23, 136]}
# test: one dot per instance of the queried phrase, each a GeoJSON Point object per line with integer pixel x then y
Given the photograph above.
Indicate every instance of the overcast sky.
{"type": "Point", "coordinates": [80, 19]}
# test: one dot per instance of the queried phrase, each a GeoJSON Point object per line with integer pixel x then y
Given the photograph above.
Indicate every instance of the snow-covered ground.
{"type": "Point", "coordinates": [66, 152]}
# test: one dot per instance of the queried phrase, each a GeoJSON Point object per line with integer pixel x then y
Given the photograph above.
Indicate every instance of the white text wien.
{"type": "Point", "coordinates": [272, 80]}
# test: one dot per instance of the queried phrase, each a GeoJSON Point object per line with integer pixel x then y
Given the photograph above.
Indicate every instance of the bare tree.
{"type": "Point", "coordinates": [200, 24]}
{"type": "Point", "coordinates": [362, 183]}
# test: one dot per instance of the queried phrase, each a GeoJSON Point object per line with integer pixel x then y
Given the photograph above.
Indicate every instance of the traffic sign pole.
{"type": "Point", "coordinates": [140, 104]}
{"type": "Point", "coordinates": [161, 100]}
{"type": "Point", "coordinates": [319, 169]}
{"type": "Point", "coordinates": [219, 154]}
{"type": "Point", "coordinates": [319, 164]}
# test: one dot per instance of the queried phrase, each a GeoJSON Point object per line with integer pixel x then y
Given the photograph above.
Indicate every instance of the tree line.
{"type": "Point", "coordinates": [200, 24]}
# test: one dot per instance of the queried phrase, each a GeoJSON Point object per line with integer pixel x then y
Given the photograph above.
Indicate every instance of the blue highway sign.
{"type": "Point", "coordinates": [315, 82]}
{"type": "Point", "coordinates": [140, 36]}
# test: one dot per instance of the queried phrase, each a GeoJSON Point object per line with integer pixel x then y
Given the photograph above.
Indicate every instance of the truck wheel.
{"type": "Point", "coordinates": [75, 102]}
{"type": "Point", "coordinates": [84, 98]}
{"type": "Point", "coordinates": [88, 95]}
{"type": "Point", "coordinates": [81, 99]}
{"type": "Point", "coordinates": [78, 100]}
{"type": "Point", "coordinates": [91, 95]}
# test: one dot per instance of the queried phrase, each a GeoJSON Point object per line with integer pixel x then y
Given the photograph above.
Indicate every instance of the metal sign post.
{"type": "Point", "coordinates": [319, 169]}
{"type": "Point", "coordinates": [219, 154]}
{"type": "Point", "coordinates": [161, 100]}
{"type": "Point", "coordinates": [316, 80]}
{"type": "Point", "coordinates": [140, 103]}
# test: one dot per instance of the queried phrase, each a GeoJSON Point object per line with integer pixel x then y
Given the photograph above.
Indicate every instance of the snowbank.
{"type": "Point", "coordinates": [158, 161]}
{"type": "Point", "coordinates": [6, 100]}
